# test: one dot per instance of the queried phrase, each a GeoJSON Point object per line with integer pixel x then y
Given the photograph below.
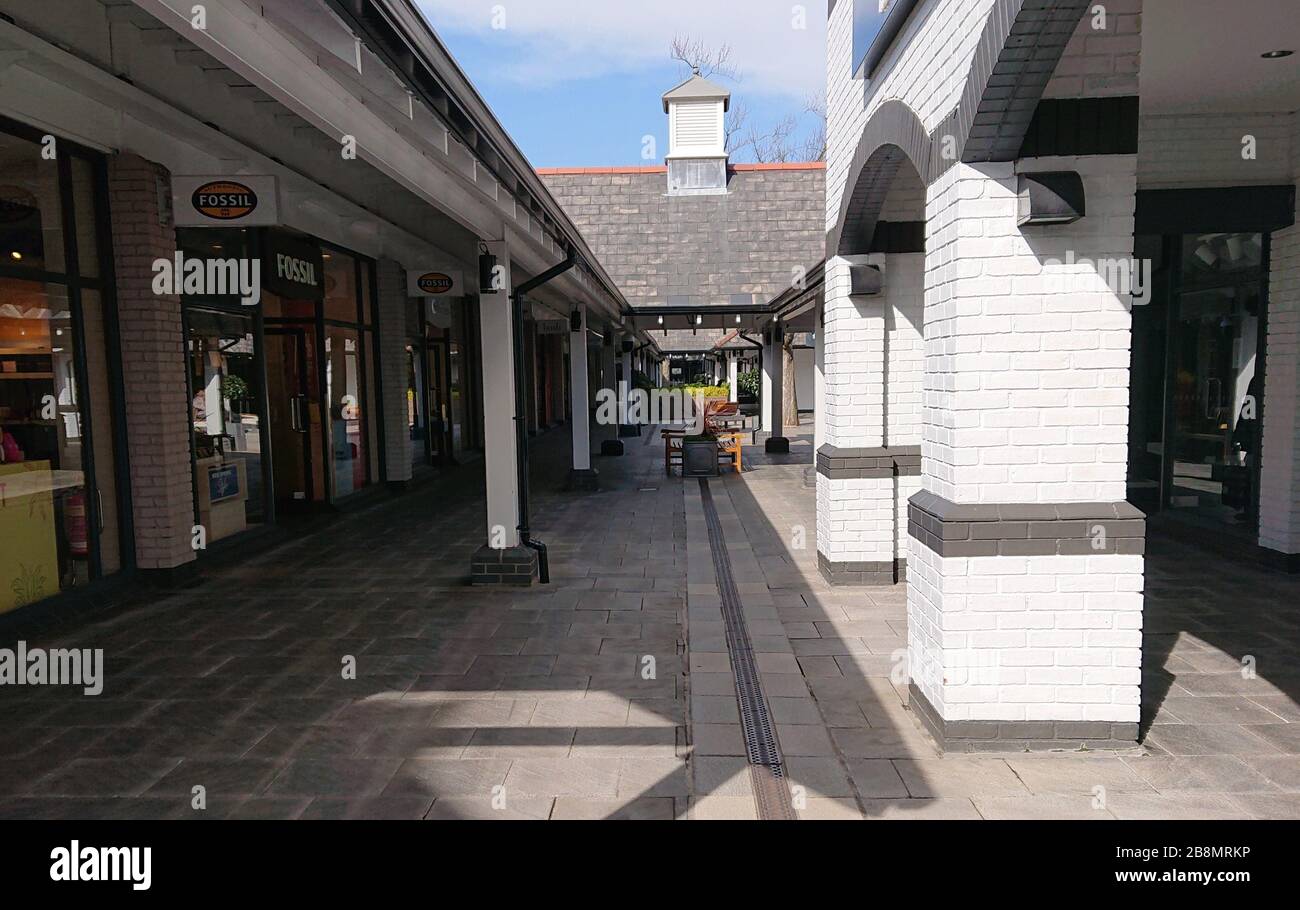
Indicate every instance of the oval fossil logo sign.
{"type": "Point", "coordinates": [224, 200]}
{"type": "Point", "coordinates": [435, 283]}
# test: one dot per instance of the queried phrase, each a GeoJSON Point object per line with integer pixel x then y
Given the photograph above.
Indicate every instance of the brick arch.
{"type": "Point", "coordinates": [893, 134]}
{"type": "Point", "coordinates": [1017, 54]}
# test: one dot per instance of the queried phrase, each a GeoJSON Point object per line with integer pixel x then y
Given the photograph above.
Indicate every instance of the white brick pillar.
{"type": "Point", "coordinates": [581, 476]}
{"type": "Point", "coordinates": [765, 388]}
{"type": "Point", "coordinates": [391, 303]}
{"type": "Point", "coordinates": [856, 499]}
{"type": "Point", "coordinates": [153, 353]}
{"type": "Point", "coordinates": [819, 380]}
{"type": "Point", "coordinates": [1279, 500]}
{"type": "Point", "coordinates": [502, 560]}
{"type": "Point", "coordinates": [1025, 572]}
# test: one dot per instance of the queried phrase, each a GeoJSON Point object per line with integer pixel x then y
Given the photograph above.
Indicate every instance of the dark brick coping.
{"type": "Point", "coordinates": [889, 572]}
{"type": "Point", "coordinates": [841, 463]}
{"type": "Point", "coordinates": [1019, 735]}
{"type": "Point", "coordinates": [1025, 529]}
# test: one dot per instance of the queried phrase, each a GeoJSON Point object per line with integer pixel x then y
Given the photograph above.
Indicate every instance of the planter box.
{"type": "Point", "coordinates": [699, 457]}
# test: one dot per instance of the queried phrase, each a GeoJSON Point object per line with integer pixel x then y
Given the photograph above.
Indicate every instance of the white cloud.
{"type": "Point", "coordinates": [550, 42]}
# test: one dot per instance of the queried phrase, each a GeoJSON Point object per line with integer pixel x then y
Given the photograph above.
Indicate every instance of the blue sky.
{"type": "Point", "coordinates": [578, 82]}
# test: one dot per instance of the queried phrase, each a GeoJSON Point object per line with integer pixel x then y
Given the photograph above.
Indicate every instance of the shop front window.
{"type": "Point", "coordinates": [1197, 382]}
{"type": "Point", "coordinates": [1216, 384]}
{"type": "Point", "coordinates": [225, 411]}
{"type": "Point", "coordinates": [42, 479]}
{"type": "Point", "coordinates": [458, 384]}
{"type": "Point", "coordinates": [348, 443]}
{"type": "Point", "coordinates": [50, 502]}
{"type": "Point", "coordinates": [416, 424]}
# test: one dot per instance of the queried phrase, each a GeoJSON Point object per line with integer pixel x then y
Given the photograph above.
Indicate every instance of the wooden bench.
{"type": "Point", "coordinates": [730, 449]}
{"type": "Point", "coordinates": [672, 449]}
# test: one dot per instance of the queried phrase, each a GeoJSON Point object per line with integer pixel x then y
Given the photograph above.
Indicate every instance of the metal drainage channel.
{"type": "Point", "coordinates": [766, 767]}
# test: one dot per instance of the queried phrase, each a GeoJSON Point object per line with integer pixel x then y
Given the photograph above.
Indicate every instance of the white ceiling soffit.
{"type": "Point", "coordinates": [1203, 56]}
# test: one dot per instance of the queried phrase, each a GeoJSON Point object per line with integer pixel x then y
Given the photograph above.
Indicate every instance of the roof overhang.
{"type": "Point", "coordinates": [742, 317]}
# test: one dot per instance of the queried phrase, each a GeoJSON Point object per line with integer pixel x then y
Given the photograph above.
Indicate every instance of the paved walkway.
{"type": "Point", "coordinates": [1217, 744]}
{"type": "Point", "coordinates": [467, 702]}
{"type": "Point", "coordinates": [579, 700]}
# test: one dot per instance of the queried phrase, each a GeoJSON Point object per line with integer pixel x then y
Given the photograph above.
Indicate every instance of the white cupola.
{"type": "Point", "coordinates": [697, 153]}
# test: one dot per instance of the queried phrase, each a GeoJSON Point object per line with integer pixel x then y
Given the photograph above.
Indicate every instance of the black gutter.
{"type": "Point", "coordinates": [521, 393]}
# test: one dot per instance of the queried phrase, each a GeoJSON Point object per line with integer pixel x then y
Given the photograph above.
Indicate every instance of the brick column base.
{"type": "Point", "coordinates": [513, 567]}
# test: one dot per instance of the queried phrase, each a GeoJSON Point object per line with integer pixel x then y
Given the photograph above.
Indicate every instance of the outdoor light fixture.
{"type": "Point", "coordinates": [487, 267]}
{"type": "Point", "coordinates": [1050, 197]}
{"type": "Point", "coordinates": [699, 320]}
{"type": "Point", "coordinates": [865, 280]}
{"type": "Point", "coordinates": [661, 320]}
{"type": "Point", "coordinates": [575, 321]}
{"type": "Point", "coordinates": [1275, 55]}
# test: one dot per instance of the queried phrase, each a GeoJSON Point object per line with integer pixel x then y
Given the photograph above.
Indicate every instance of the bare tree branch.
{"type": "Point", "coordinates": [778, 144]}
{"type": "Point", "coordinates": [700, 58]}
{"type": "Point", "coordinates": [774, 146]}
{"type": "Point", "coordinates": [814, 146]}
{"type": "Point", "coordinates": [733, 126]}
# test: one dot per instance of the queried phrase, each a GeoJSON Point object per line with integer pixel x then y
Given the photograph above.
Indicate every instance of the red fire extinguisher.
{"type": "Point", "coordinates": [74, 523]}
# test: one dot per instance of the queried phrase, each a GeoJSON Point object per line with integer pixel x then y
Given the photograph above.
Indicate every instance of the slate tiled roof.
{"type": "Point", "coordinates": [706, 248]}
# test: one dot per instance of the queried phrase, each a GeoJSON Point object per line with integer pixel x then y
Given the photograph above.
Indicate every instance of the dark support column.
{"type": "Point", "coordinates": [776, 443]}
{"type": "Point", "coordinates": [610, 445]}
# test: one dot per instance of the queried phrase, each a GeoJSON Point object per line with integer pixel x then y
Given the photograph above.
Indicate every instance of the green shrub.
{"type": "Point", "coordinates": [708, 391]}
{"type": "Point", "coordinates": [750, 382]}
{"type": "Point", "coordinates": [233, 388]}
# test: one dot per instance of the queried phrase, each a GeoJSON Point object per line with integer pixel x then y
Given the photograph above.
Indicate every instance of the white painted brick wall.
{"type": "Point", "coordinates": [904, 489]}
{"type": "Point", "coordinates": [926, 68]}
{"type": "Point", "coordinates": [905, 200]}
{"type": "Point", "coordinates": [1280, 452]}
{"type": "Point", "coordinates": [1027, 638]}
{"type": "Point", "coordinates": [904, 299]}
{"type": "Point", "coordinates": [1102, 58]}
{"type": "Point", "coordinates": [854, 350]}
{"type": "Point", "coordinates": [856, 519]}
{"type": "Point", "coordinates": [1205, 150]}
{"type": "Point", "coordinates": [1026, 387]}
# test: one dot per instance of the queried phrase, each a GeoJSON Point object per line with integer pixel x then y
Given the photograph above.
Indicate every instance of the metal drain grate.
{"type": "Point", "coordinates": [766, 767]}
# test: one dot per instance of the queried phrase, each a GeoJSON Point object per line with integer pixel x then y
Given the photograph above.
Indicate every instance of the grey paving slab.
{"type": "Point", "coordinates": [245, 690]}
